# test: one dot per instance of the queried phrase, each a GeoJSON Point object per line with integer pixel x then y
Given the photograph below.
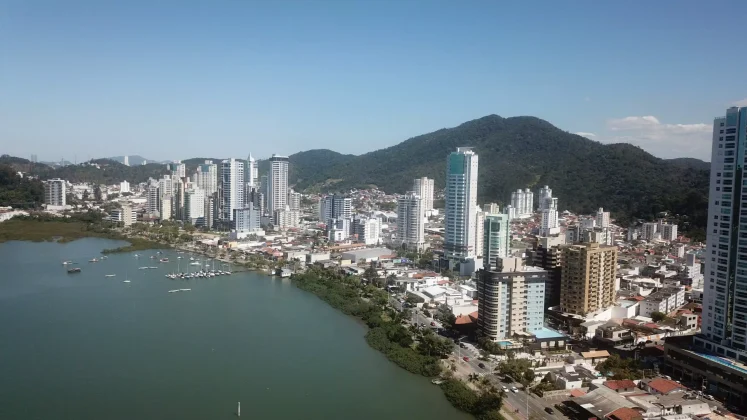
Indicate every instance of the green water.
{"type": "Point", "coordinates": [84, 346]}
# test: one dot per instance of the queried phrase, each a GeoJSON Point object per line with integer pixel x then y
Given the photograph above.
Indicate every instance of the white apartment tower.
{"type": "Point", "coordinates": [206, 177]}
{"type": "Point", "coordinates": [479, 232]}
{"type": "Point", "coordinates": [126, 161]}
{"type": "Point", "coordinates": [232, 188]}
{"type": "Point", "coordinates": [461, 205]}
{"type": "Point", "coordinates": [55, 192]}
{"type": "Point", "coordinates": [523, 203]}
{"type": "Point", "coordinates": [603, 218]}
{"type": "Point", "coordinates": [277, 197]}
{"type": "Point", "coordinates": [252, 172]}
{"type": "Point", "coordinates": [153, 198]}
{"type": "Point", "coordinates": [423, 187]}
{"type": "Point", "coordinates": [725, 290]}
{"type": "Point", "coordinates": [410, 223]}
{"type": "Point", "coordinates": [194, 206]}
{"type": "Point", "coordinates": [294, 199]}
{"type": "Point", "coordinates": [549, 224]}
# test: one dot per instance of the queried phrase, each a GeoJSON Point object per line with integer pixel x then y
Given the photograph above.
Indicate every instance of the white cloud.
{"type": "Point", "coordinates": [584, 134]}
{"type": "Point", "coordinates": [741, 103]}
{"type": "Point", "coordinates": [660, 139]}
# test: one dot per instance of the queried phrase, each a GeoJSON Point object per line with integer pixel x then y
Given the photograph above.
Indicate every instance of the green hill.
{"type": "Point", "coordinates": [526, 152]}
{"type": "Point", "coordinates": [19, 192]}
{"type": "Point", "coordinates": [108, 172]}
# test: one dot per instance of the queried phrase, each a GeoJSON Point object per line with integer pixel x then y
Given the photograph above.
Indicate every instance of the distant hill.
{"type": "Point", "coordinates": [133, 160]}
{"type": "Point", "coordinates": [109, 172]}
{"type": "Point", "coordinates": [691, 163]}
{"type": "Point", "coordinates": [524, 152]}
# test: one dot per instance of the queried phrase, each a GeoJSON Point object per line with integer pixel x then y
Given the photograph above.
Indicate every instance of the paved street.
{"type": "Point", "coordinates": [512, 401]}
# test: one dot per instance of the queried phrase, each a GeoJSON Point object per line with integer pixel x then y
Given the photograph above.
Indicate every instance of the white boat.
{"type": "Point", "coordinates": [195, 263]}
{"type": "Point", "coordinates": [110, 275]}
{"type": "Point", "coordinates": [178, 258]}
{"type": "Point", "coordinates": [143, 268]}
{"type": "Point", "coordinates": [153, 268]}
{"type": "Point", "coordinates": [184, 290]}
{"type": "Point", "coordinates": [173, 291]}
{"type": "Point", "coordinates": [66, 262]}
{"type": "Point", "coordinates": [93, 260]}
{"type": "Point", "coordinates": [125, 281]}
{"type": "Point", "coordinates": [191, 258]}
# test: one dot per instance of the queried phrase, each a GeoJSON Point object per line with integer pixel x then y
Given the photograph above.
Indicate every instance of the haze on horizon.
{"type": "Point", "coordinates": [175, 80]}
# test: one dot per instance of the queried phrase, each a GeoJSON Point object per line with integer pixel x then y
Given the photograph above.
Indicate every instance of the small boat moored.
{"type": "Point", "coordinates": [73, 270]}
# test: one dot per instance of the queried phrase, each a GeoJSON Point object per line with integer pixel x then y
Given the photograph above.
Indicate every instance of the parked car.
{"type": "Point", "coordinates": [708, 396]}
{"type": "Point", "coordinates": [504, 388]}
{"type": "Point", "coordinates": [433, 324]}
{"type": "Point", "coordinates": [482, 365]}
{"type": "Point", "coordinates": [548, 410]}
{"type": "Point", "coordinates": [514, 389]}
{"type": "Point", "coordinates": [465, 358]}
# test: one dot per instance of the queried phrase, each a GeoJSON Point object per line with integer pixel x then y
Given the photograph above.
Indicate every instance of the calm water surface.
{"type": "Point", "coordinates": [84, 346]}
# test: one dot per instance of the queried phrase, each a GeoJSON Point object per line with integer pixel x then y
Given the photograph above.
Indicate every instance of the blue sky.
{"type": "Point", "coordinates": [179, 79]}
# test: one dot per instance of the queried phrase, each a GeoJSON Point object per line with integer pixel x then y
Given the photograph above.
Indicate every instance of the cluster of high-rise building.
{"type": "Point", "coordinates": [228, 195]}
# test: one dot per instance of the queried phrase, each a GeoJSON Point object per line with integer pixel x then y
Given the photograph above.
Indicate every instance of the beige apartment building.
{"type": "Point", "coordinates": [587, 282]}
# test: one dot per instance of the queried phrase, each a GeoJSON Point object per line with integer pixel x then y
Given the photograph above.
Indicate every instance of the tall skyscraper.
{"type": "Point", "coordinates": [153, 203]}
{"type": "Point", "coordinates": [232, 188]}
{"type": "Point", "coordinates": [126, 161]}
{"type": "Point", "coordinates": [511, 298]}
{"type": "Point", "coordinates": [194, 206]}
{"type": "Point", "coordinates": [206, 177]}
{"type": "Point", "coordinates": [178, 169]}
{"type": "Point", "coordinates": [549, 224]}
{"type": "Point", "coordinates": [603, 218]}
{"type": "Point", "coordinates": [294, 200]}
{"type": "Point", "coordinates": [55, 192]}
{"type": "Point", "coordinates": [587, 281]}
{"type": "Point", "coordinates": [725, 290]}
{"type": "Point", "coordinates": [523, 203]}
{"type": "Point", "coordinates": [423, 187]}
{"type": "Point", "coordinates": [496, 239]}
{"type": "Point", "coordinates": [461, 205]}
{"type": "Point", "coordinates": [277, 197]}
{"type": "Point", "coordinates": [479, 232]}
{"type": "Point", "coordinates": [547, 254]}
{"type": "Point", "coordinates": [335, 206]}
{"type": "Point", "coordinates": [252, 172]}
{"type": "Point", "coordinates": [410, 222]}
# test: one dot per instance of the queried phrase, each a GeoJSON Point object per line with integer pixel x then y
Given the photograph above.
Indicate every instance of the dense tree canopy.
{"type": "Point", "coordinates": [17, 191]}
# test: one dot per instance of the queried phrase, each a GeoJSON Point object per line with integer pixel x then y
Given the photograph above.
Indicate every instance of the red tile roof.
{"type": "Point", "coordinates": [463, 320]}
{"type": "Point", "coordinates": [622, 384]}
{"type": "Point", "coordinates": [625, 413]}
{"type": "Point", "coordinates": [577, 392]}
{"type": "Point", "coordinates": [663, 386]}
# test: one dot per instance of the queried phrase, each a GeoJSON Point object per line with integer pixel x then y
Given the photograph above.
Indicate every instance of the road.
{"type": "Point", "coordinates": [512, 400]}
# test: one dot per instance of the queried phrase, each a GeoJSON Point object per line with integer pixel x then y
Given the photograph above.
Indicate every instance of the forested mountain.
{"type": "Point", "coordinates": [527, 152]}
{"type": "Point", "coordinates": [691, 163]}
{"type": "Point", "coordinates": [19, 192]}
{"type": "Point", "coordinates": [107, 172]}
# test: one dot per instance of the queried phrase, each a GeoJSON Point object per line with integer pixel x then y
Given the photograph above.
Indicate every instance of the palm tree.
{"type": "Point", "coordinates": [473, 377]}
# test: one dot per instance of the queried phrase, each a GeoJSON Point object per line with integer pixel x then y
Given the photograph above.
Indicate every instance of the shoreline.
{"type": "Point", "coordinates": [456, 391]}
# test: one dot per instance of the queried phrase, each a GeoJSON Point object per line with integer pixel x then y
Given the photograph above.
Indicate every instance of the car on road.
{"type": "Point", "coordinates": [462, 345]}
{"type": "Point", "coordinates": [514, 389]}
{"type": "Point", "coordinates": [548, 410]}
{"type": "Point", "coordinates": [708, 396]}
{"type": "Point", "coordinates": [482, 365]}
{"type": "Point", "coordinates": [465, 358]}
{"type": "Point", "coordinates": [433, 324]}
{"type": "Point", "coordinates": [504, 388]}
